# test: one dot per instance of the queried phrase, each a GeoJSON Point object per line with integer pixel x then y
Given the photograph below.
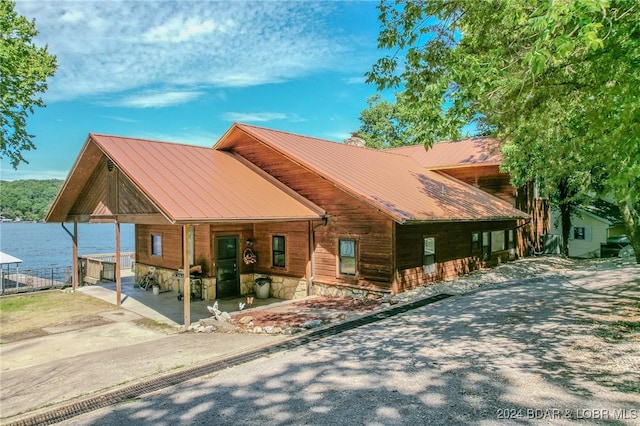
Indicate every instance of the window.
{"type": "Point", "coordinates": [347, 257]}
{"type": "Point", "coordinates": [429, 255]}
{"type": "Point", "coordinates": [511, 241]}
{"type": "Point", "coordinates": [486, 239]}
{"type": "Point", "coordinates": [156, 245]}
{"type": "Point", "coordinates": [579, 233]}
{"type": "Point", "coordinates": [497, 241]}
{"type": "Point", "coordinates": [278, 251]}
{"type": "Point", "coordinates": [475, 241]}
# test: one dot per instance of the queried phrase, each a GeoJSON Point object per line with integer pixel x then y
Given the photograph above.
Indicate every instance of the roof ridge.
{"type": "Point", "coordinates": [91, 134]}
{"type": "Point", "coordinates": [307, 137]}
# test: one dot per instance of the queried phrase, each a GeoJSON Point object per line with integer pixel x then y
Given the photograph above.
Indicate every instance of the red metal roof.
{"type": "Point", "coordinates": [391, 182]}
{"type": "Point", "coordinates": [467, 152]}
{"type": "Point", "coordinates": [199, 184]}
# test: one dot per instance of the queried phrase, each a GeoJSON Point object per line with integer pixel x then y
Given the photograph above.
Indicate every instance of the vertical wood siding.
{"type": "Point", "coordinates": [108, 193]}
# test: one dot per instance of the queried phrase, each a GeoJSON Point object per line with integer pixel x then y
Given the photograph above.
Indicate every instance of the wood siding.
{"type": "Point", "coordinates": [296, 236]}
{"type": "Point", "coordinates": [488, 179]}
{"type": "Point", "coordinates": [109, 193]}
{"type": "Point", "coordinates": [171, 257]}
{"type": "Point", "coordinates": [348, 218]}
{"type": "Point", "coordinates": [454, 253]}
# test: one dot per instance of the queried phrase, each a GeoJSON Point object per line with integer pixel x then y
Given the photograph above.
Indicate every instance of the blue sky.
{"type": "Point", "coordinates": [184, 71]}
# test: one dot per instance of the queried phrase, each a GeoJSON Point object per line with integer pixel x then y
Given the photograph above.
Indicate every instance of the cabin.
{"type": "Point", "coordinates": [316, 217]}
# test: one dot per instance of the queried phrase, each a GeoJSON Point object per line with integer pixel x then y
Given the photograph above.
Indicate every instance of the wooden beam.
{"type": "Point", "coordinates": [118, 266]}
{"type": "Point", "coordinates": [74, 279]}
{"type": "Point", "coordinates": [186, 284]}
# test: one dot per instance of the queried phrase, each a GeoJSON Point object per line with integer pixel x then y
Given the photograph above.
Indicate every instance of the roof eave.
{"type": "Point", "coordinates": [457, 219]}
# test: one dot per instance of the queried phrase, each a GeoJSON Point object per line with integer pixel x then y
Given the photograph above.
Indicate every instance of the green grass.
{"type": "Point", "coordinates": [27, 312]}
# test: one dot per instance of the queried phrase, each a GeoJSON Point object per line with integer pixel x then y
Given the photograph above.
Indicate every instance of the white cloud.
{"type": "Point", "coordinates": [187, 136]}
{"type": "Point", "coordinates": [158, 99]}
{"type": "Point", "coordinates": [253, 117]}
{"type": "Point", "coordinates": [114, 47]}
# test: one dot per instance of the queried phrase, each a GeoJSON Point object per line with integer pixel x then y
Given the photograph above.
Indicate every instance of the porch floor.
{"type": "Point", "coordinates": [165, 307]}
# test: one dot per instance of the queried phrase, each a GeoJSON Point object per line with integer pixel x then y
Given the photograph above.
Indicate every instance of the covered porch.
{"type": "Point", "coordinates": [174, 187]}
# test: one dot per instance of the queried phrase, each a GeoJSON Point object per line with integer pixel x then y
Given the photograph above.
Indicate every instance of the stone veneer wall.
{"type": "Point", "coordinates": [168, 282]}
{"type": "Point", "coordinates": [281, 287]}
{"type": "Point", "coordinates": [335, 291]}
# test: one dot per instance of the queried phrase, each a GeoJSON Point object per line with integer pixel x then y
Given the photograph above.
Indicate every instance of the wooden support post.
{"type": "Point", "coordinates": [118, 278]}
{"type": "Point", "coordinates": [74, 276]}
{"type": "Point", "coordinates": [186, 285]}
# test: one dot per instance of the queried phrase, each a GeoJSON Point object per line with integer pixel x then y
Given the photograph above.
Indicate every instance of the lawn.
{"type": "Point", "coordinates": [26, 315]}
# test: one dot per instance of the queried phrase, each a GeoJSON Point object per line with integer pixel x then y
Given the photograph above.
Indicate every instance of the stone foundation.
{"type": "Point", "coordinates": [336, 291]}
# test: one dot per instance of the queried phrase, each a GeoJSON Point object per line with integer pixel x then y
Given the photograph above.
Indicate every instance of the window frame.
{"type": "Point", "coordinates": [156, 244]}
{"type": "Point", "coordinates": [429, 261]}
{"type": "Point", "coordinates": [340, 258]}
{"type": "Point", "coordinates": [579, 236]}
{"type": "Point", "coordinates": [486, 245]}
{"type": "Point", "coordinates": [475, 241]}
{"type": "Point", "coordinates": [281, 252]}
{"type": "Point", "coordinates": [511, 239]}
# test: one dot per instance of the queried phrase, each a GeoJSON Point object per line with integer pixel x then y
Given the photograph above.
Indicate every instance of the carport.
{"type": "Point", "coordinates": [126, 180]}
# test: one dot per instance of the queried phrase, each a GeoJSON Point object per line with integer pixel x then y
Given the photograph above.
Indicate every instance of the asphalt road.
{"type": "Point", "coordinates": [518, 353]}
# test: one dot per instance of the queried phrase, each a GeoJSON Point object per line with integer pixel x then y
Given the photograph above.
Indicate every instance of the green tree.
{"type": "Point", "coordinates": [386, 124]}
{"type": "Point", "coordinates": [27, 199]}
{"type": "Point", "coordinates": [556, 82]}
{"type": "Point", "coordinates": [24, 68]}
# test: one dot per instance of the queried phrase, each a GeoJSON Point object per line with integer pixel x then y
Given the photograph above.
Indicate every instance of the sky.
{"type": "Point", "coordinates": [185, 71]}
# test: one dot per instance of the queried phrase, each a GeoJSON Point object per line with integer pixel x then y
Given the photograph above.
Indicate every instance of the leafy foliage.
{"type": "Point", "coordinates": [556, 82]}
{"type": "Point", "coordinates": [385, 124]}
{"type": "Point", "coordinates": [24, 68]}
{"type": "Point", "coordinates": [28, 199]}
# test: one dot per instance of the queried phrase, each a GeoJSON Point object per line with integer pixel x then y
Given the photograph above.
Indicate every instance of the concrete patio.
{"type": "Point", "coordinates": [165, 307]}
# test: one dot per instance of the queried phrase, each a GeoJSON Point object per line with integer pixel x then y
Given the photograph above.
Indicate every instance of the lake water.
{"type": "Point", "coordinates": [43, 245]}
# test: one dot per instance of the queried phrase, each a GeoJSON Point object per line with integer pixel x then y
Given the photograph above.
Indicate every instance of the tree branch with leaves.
{"type": "Point", "coordinates": [24, 69]}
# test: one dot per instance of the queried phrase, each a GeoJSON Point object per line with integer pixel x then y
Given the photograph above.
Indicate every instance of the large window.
{"type": "Point", "coordinates": [278, 251]}
{"type": "Point", "coordinates": [347, 257]}
{"type": "Point", "coordinates": [497, 241]}
{"type": "Point", "coordinates": [429, 255]}
{"type": "Point", "coordinates": [156, 245]}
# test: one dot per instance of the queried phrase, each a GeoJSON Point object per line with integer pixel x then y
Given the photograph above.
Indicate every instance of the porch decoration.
{"type": "Point", "coordinates": [248, 256]}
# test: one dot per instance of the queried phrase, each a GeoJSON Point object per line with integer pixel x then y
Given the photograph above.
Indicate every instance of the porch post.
{"type": "Point", "coordinates": [186, 284]}
{"type": "Point", "coordinates": [74, 275]}
{"type": "Point", "coordinates": [118, 279]}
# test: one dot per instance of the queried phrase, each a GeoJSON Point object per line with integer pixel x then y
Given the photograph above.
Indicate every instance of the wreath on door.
{"type": "Point", "coordinates": [249, 257]}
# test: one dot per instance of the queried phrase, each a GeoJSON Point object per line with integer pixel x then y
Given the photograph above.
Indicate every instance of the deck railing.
{"type": "Point", "coordinates": [35, 279]}
{"type": "Point", "coordinates": [102, 266]}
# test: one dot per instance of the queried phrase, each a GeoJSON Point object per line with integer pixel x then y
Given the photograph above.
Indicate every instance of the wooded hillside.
{"type": "Point", "coordinates": [27, 199]}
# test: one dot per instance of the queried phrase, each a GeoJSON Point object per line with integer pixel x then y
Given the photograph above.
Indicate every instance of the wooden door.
{"type": "Point", "coordinates": [227, 277]}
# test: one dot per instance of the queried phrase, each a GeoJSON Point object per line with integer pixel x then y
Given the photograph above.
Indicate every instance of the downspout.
{"type": "Point", "coordinates": [74, 239]}
{"type": "Point", "coordinates": [312, 253]}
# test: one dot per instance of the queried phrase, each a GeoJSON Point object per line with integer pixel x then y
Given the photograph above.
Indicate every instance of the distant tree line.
{"type": "Point", "coordinates": [28, 199]}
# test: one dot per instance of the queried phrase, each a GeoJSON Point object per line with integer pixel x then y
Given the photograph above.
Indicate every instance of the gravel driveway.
{"type": "Point", "coordinates": [545, 341]}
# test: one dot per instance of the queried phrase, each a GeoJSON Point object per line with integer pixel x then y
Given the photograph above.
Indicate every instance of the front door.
{"type": "Point", "coordinates": [227, 278]}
